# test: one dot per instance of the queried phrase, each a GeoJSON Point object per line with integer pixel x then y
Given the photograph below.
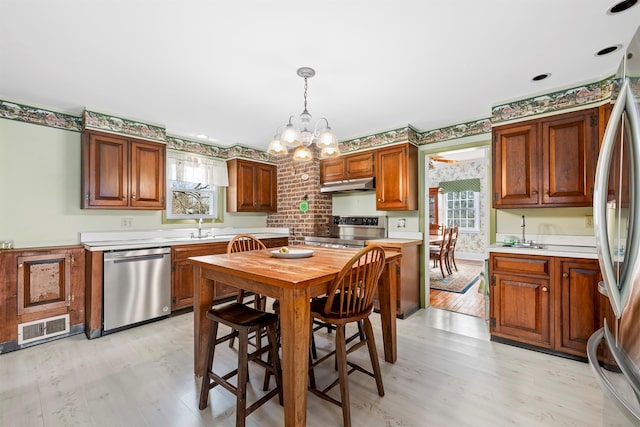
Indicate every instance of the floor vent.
{"type": "Point", "coordinates": [43, 328]}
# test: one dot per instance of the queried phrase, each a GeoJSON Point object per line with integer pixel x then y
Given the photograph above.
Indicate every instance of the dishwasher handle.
{"type": "Point", "coordinates": [134, 258]}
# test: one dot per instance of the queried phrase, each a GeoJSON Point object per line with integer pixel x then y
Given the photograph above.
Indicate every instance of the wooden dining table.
{"type": "Point", "coordinates": [435, 239]}
{"type": "Point", "coordinates": [293, 282]}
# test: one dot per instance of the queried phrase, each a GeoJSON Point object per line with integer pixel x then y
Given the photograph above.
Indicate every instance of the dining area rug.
{"type": "Point", "coordinates": [459, 281]}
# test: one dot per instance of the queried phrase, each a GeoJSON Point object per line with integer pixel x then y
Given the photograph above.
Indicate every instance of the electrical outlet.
{"type": "Point", "coordinates": [402, 223]}
{"type": "Point", "coordinates": [588, 221]}
{"type": "Point", "coordinates": [126, 222]}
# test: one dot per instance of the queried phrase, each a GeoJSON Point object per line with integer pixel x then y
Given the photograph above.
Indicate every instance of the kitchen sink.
{"type": "Point", "coordinates": [524, 246]}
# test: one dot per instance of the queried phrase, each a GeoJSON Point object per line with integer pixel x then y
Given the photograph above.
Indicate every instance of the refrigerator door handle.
{"type": "Point", "coordinates": [624, 103]}
{"type": "Point", "coordinates": [600, 192]}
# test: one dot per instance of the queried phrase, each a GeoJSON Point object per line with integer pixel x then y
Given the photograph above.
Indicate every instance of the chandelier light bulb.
{"type": "Point", "coordinates": [330, 151]}
{"type": "Point", "coordinates": [302, 154]}
{"type": "Point", "coordinates": [276, 147]}
{"type": "Point", "coordinates": [290, 136]}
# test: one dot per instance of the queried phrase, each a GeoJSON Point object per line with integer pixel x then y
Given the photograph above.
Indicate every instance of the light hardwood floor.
{"type": "Point", "coordinates": [448, 373]}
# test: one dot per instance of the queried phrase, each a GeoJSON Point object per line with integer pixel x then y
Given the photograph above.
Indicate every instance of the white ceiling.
{"type": "Point", "coordinates": [227, 69]}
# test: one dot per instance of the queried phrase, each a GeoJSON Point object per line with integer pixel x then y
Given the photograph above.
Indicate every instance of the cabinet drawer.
{"type": "Point", "coordinates": [183, 252]}
{"type": "Point", "coordinates": [530, 265]}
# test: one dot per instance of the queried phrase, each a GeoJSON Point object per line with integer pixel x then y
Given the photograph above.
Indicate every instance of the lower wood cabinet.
{"type": "Point", "coordinates": [182, 271]}
{"type": "Point", "coordinates": [41, 295]}
{"type": "Point", "coordinates": [551, 303]}
{"type": "Point", "coordinates": [407, 276]}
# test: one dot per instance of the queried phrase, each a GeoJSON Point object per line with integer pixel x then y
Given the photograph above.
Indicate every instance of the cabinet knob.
{"type": "Point", "coordinates": [534, 192]}
{"type": "Point", "coordinates": [133, 196]}
{"type": "Point", "coordinates": [546, 192]}
{"type": "Point", "coordinates": [545, 289]}
{"type": "Point", "coordinates": [565, 275]}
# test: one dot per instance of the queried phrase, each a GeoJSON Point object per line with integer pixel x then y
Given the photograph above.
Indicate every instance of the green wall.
{"type": "Point", "coordinates": [40, 191]}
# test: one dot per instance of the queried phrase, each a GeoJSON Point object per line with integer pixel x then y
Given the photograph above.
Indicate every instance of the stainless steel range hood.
{"type": "Point", "coordinates": [360, 184]}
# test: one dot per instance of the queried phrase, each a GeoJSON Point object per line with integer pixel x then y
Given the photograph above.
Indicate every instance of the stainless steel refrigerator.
{"type": "Point", "coordinates": [616, 208]}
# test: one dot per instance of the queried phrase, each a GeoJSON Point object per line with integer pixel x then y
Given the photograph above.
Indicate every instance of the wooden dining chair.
{"type": "Point", "coordinates": [243, 320]}
{"type": "Point", "coordinates": [244, 243]}
{"type": "Point", "coordinates": [451, 249]}
{"type": "Point", "coordinates": [349, 299]}
{"type": "Point", "coordinates": [438, 253]}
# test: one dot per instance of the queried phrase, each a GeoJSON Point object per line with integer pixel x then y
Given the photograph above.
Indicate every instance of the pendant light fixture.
{"type": "Point", "coordinates": [299, 134]}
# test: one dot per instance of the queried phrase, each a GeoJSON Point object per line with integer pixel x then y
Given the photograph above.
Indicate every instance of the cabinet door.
{"type": "Point", "coordinates": [44, 282]}
{"type": "Point", "coordinates": [332, 169]}
{"type": "Point", "coordinates": [182, 271]}
{"type": "Point", "coordinates": [520, 309]}
{"type": "Point", "coordinates": [515, 165]}
{"type": "Point", "coordinates": [578, 306]}
{"type": "Point", "coordinates": [105, 171]}
{"type": "Point", "coordinates": [245, 186]}
{"type": "Point", "coordinates": [359, 165]}
{"type": "Point", "coordinates": [147, 183]}
{"type": "Point", "coordinates": [433, 205]}
{"type": "Point", "coordinates": [396, 178]}
{"type": "Point", "coordinates": [568, 153]}
{"type": "Point", "coordinates": [266, 188]}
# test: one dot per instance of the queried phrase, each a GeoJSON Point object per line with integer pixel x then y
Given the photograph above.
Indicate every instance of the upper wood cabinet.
{"type": "Point", "coordinates": [252, 186]}
{"type": "Point", "coordinates": [397, 178]}
{"type": "Point", "coordinates": [122, 173]}
{"type": "Point", "coordinates": [546, 162]}
{"type": "Point", "coordinates": [350, 166]}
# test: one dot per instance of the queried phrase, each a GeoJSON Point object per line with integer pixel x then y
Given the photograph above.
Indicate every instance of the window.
{"type": "Point", "coordinates": [462, 209]}
{"type": "Point", "coordinates": [193, 186]}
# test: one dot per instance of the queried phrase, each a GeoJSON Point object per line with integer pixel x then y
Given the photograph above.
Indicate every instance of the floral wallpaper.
{"type": "Point", "coordinates": [556, 101]}
{"type": "Point", "coordinates": [467, 242]}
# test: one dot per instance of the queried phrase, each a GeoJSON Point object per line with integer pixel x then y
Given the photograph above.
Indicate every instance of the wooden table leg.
{"type": "Point", "coordinates": [388, 309]}
{"type": "Point", "coordinates": [202, 300]}
{"type": "Point", "coordinates": [294, 331]}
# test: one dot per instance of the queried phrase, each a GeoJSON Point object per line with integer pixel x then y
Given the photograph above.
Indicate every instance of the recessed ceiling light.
{"type": "Point", "coordinates": [202, 136]}
{"type": "Point", "coordinates": [609, 49]}
{"type": "Point", "coordinates": [540, 77]}
{"type": "Point", "coordinates": [621, 6]}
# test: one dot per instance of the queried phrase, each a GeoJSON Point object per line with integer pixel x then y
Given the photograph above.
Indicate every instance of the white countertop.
{"type": "Point", "coordinates": [565, 251]}
{"type": "Point", "coordinates": [139, 239]}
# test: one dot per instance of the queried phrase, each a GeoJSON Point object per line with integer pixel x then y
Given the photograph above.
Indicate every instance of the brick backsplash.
{"type": "Point", "coordinates": [292, 189]}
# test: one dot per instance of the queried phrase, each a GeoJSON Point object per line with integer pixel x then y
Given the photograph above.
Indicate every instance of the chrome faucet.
{"type": "Point", "coordinates": [200, 228]}
{"type": "Point", "coordinates": [523, 227]}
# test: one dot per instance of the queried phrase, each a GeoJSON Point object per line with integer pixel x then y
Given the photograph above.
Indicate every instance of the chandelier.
{"type": "Point", "coordinates": [299, 134]}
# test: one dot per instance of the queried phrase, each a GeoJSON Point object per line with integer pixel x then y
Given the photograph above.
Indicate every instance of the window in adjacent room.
{"type": "Point", "coordinates": [462, 203]}
{"type": "Point", "coordinates": [194, 184]}
{"type": "Point", "coordinates": [462, 209]}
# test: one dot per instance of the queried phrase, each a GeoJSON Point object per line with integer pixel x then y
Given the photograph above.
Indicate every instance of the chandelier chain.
{"type": "Point", "coordinates": [305, 94]}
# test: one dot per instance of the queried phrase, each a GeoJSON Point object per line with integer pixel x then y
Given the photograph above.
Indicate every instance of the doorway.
{"type": "Point", "coordinates": [457, 195]}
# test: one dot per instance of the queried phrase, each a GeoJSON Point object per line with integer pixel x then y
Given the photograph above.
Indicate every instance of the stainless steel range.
{"type": "Point", "coordinates": [351, 232]}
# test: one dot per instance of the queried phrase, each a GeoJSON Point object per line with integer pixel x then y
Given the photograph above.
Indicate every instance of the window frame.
{"type": "Point", "coordinates": [476, 211]}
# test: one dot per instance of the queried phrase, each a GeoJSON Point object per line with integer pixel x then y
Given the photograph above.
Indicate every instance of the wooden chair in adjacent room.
{"type": "Point", "coordinates": [242, 320]}
{"type": "Point", "coordinates": [349, 299]}
{"type": "Point", "coordinates": [438, 253]}
{"type": "Point", "coordinates": [451, 249]}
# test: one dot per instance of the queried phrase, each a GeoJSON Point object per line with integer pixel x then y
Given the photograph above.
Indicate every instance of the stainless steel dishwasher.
{"type": "Point", "coordinates": [136, 287]}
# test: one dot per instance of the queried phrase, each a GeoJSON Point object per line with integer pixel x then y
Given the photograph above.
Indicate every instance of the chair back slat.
{"type": "Point", "coordinates": [243, 243]}
{"type": "Point", "coordinates": [351, 293]}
